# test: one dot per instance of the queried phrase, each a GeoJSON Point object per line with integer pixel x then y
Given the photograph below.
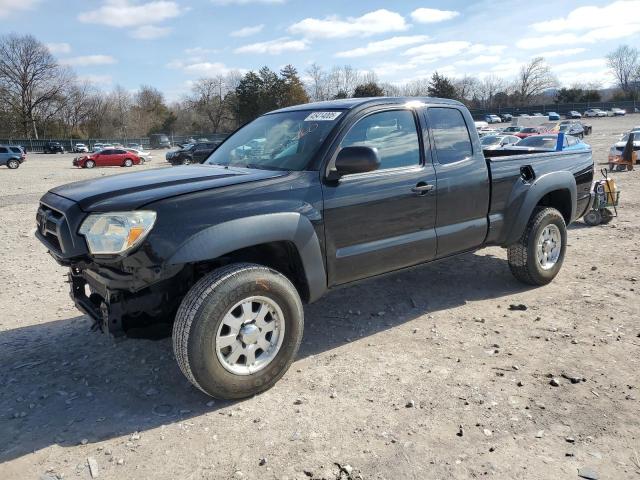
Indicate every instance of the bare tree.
{"type": "Point", "coordinates": [467, 87]}
{"type": "Point", "coordinates": [624, 63]}
{"type": "Point", "coordinates": [318, 88]}
{"type": "Point", "coordinates": [487, 88]}
{"type": "Point", "coordinates": [211, 97]}
{"type": "Point", "coordinates": [30, 77]}
{"type": "Point", "coordinates": [533, 79]}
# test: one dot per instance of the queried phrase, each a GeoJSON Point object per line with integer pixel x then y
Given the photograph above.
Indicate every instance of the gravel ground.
{"type": "Point", "coordinates": [425, 374]}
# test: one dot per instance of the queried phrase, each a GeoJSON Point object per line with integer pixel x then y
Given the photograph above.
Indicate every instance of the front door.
{"type": "Point", "coordinates": [382, 220]}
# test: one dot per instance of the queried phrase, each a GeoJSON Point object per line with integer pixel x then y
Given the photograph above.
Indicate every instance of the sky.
{"type": "Point", "coordinates": [170, 43]}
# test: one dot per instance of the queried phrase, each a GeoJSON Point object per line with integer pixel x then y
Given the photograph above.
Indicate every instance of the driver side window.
{"type": "Point", "coordinates": [393, 133]}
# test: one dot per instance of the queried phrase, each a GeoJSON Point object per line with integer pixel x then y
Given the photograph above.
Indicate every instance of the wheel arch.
{"type": "Point", "coordinates": [266, 239]}
{"type": "Point", "coordinates": [557, 190]}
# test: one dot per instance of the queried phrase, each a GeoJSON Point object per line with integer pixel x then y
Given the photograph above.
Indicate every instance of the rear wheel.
{"type": "Point", "coordinates": [186, 161]}
{"type": "Point", "coordinates": [537, 257]}
{"type": "Point", "coordinates": [128, 162]}
{"type": "Point", "coordinates": [13, 164]}
{"type": "Point", "coordinates": [238, 330]}
{"type": "Point", "coordinates": [89, 164]}
{"type": "Point", "coordinates": [593, 218]}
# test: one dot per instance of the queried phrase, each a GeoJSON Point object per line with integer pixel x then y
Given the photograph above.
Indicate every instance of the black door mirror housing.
{"type": "Point", "coordinates": [356, 159]}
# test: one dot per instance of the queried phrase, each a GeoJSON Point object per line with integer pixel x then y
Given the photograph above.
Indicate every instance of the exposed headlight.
{"type": "Point", "coordinates": [116, 232]}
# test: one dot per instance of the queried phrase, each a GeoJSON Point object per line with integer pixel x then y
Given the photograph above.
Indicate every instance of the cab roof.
{"type": "Point", "coordinates": [352, 103]}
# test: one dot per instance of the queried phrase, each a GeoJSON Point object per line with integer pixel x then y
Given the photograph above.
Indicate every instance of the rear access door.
{"type": "Point", "coordinates": [463, 193]}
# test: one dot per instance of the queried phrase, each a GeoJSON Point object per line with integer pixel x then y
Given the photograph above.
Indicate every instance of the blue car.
{"type": "Point", "coordinates": [549, 142]}
{"type": "Point", "coordinates": [554, 116]}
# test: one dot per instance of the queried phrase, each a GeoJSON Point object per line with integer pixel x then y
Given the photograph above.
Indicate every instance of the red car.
{"type": "Point", "coordinates": [528, 131]}
{"type": "Point", "coordinates": [110, 157]}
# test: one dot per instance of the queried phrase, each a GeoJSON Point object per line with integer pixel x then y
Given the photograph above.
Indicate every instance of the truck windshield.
{"type": "Point", "coordinates": [278, 141]}
{"type": "Point", "coordinates": [538, 141]}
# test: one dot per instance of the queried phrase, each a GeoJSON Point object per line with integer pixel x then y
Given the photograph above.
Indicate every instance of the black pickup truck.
{"type": "Point", "coordinates": [299, 201]}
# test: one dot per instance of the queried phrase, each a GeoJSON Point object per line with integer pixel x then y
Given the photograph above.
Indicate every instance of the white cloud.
{"type": "Point", "coordinates": [378, 21]}
{"type": "Point", "coordinates": [123, 13]}
{"type": "Point", "coordinates": [569, 78]}
{"type": "Point", "coordinates": [565, 52]}
{"type": "Point", "coordinates": [203, 68]}
{"type": "Point", "coordinates": [430, 52]}
{"type": "Point", "coordinates": [98, 80]}
{"type": "Point", "coordinates": [7, 7]}
{"type": "Point", "coordinates": [247, 31]}
{"type": "Point", "coordinates": [148, 32]}
{"type": "Point", "coordinates": [592, 63]}
{"type": "Point", "coordinates": [245, 2]}
{"type": "Point", "coordinates": [587, 25]}
{"type": "Point", "coordinates": [481, 48]}
{"type": "Point", "coordinates": [274, 47]}
{"type": "Point", "coordinates": [56, 48]}
{"type": "Point", "coordinates": [615, 15]}
{"type": "Point", "coordinates": [86, 60]}
{"type": "Point", "coordinates": [433, 15]}
{"type": "Point", "coordinates": [480, 60]}
{"type": "Point", "coordinates": [383, 46]}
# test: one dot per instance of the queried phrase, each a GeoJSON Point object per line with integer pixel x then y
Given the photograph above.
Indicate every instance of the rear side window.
{"type": "Point", "coordinates": [4, 150]}
{"type": "Point", "coordinates": [393, 133]}
{"type": "Point", "coordinates": [450, 134]}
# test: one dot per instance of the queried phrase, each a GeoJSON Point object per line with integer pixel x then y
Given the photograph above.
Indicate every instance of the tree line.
{"type": "Point", "coordinates": [40, 98]}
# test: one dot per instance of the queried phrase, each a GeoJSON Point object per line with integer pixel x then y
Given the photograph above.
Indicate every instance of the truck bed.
{"type": "Point", "coordinates": [514, 172]}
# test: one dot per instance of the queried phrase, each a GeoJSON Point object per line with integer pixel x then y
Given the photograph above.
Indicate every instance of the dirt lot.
{"type": "Point", "coordinates": [425, 374]}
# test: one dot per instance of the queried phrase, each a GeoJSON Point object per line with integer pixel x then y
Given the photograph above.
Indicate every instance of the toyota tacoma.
{"type": "Point", "coordinates": [297, 202]}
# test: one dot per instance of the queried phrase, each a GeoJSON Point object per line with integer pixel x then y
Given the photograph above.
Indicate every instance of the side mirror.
{"type": "Point", "coordinates": [357, 159]}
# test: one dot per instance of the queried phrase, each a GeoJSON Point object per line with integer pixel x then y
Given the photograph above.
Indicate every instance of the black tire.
{"type": "Point", "coordinates": [89, 164]}
{"type": "Point", "coordinates": [522, 256]}
{"type": "Point", "coordinates": [12, 163]}
{"type": "Point", "coordinates": [606, 215]}
{"type": "Point", "coordinates": [128, 163]}
{"type": "Point", "coordinates": [201, 313]}
{"type": "Point", "coordinates": [186, 161]}
{"type": "Point", "coordinates": [593, 218]}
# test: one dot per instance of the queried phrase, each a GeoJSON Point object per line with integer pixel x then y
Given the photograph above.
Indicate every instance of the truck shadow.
{"type": "Point", "coordinates": [61, 384]}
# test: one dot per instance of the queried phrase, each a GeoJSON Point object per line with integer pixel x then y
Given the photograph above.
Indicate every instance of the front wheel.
{"type": "Point", "coordinates": [238, 330]}
{"type": "Point", "coordinates": [89, 164]}
{"type": "Point", "coordinates": [538, 255]}
{"type": "Point", "coordinates": [128, 162]}
{"type": "Point", "coordinates": [186, 161]}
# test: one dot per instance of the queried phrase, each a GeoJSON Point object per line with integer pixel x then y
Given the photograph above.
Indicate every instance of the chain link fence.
{"type": "Point", "coordinates": [37, 146]}
{"type": "Point", "coordinates": [561, 108]}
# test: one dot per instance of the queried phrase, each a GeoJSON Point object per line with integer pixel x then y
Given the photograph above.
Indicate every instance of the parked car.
{"type": "Point", "coordinates": [505, 117]}
{"type": "Point", "coordinates": [491, 142]}
{"type": "Point", "coordinates": [586, 128]}
{"type": "Point", "coordinates": [553, 116]}
{"type": "Point", "coordinates": [195, 153]}
{"type": "Point", "coordinates": [109, 157]}
{"type": "Point", "coordinates": [159, 140]}
{"type": "Point", "coordinates": [512, 129]}
{"type": "Point", "coordinates": [573, 114]}
{"type": "Point", "coordinates": [53, 147]}
{"type": "Point", "coordinates": [617, 148]}
{"type": "Point", "coordinates": [549, 142]}
{"type": "Point", "coordinates": [595, 112]}
{"type": "Point", "coordinates": [618, 112]}
{"type": "Point", "coordinates": [80, 148]}
{"type": "Point", "coordinates": [537, 114]}
{"type": "Point", "coordinates": [12, 156]}
{"type": "Point", "coordinates": [492, 118]}
{"type": "Point", "coordinates": [479, 124]}
{"type": "Point", "coordinates": [229, 251]}
{"type": "Point", "coordinates": [528, 131]}
{"type": "Point", "coordinates": [574, 128]}
{"type": "Point", "coordinates": [135, 146]}
{"type": "Point", "coordinates": [145, 156]}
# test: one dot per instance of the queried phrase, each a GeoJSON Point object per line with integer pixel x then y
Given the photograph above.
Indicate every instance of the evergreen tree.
{"type": "Point", "coordinates": [441, 87]}
{"type": "Point", "coordinates": [369, 89]}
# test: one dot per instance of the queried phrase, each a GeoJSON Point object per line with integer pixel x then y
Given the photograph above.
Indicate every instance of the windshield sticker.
{"type": "Point", "coordinates": [322, 116]}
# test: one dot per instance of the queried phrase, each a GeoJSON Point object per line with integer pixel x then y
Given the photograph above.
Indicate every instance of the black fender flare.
{"type": "Point", "coordinates": [223, 238]}
{"type": "Point", "coordinates": [519, 217]}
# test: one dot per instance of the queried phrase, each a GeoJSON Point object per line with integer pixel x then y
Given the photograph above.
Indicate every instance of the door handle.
{"type": "Point", "coordinates": [422, 188]}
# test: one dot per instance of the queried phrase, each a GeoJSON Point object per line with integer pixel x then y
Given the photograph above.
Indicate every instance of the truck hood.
{"type": "Point", "coordinates": [133, 190]}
